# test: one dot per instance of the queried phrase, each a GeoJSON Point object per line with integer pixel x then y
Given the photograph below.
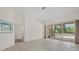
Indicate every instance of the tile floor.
{"type": "Point", "coordinates": [44, 45]}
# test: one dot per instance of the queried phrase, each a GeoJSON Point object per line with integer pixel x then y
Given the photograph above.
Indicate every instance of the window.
{"type": "Point", "coordinates": [56, 28]}
{"type": "Point", "coordinates": [64, 31]}
{"type": "Point", "coordinates": [69, 28]}
{"type": "Point", "coordinates": [6, 26]}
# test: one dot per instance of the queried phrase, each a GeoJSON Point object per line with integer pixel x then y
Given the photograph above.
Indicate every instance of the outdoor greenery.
{"type": "Point", "coordinates": [57, 29]}
{"type": "Point", "coordinates": [67, 28]}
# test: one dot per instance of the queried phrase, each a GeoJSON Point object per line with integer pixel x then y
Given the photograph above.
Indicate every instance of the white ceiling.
{"type": "Point", "coordinates": [51, 14]}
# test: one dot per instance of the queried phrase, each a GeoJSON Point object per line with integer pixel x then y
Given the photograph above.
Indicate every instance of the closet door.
{"type": "Point", "coordinates": [18, 32]}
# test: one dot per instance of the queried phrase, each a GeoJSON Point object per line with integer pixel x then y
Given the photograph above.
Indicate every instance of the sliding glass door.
{"type": "Point", "coordinates": [56, 31]}
{"type": "Point", "coordinates": [64, 31]}
{"type": "Point", "coordinates": [69, 32]}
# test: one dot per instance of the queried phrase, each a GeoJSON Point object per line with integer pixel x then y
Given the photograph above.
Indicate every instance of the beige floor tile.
{"type": "Point", "coordinates": [44, 45]}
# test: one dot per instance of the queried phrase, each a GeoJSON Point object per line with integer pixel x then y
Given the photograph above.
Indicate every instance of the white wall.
{"type": "Point", "coordinates": [7, 39]}
{"type": "Point", "coordinates": [33, 29]}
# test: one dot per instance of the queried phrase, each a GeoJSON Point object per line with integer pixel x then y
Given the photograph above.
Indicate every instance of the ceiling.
{"type": "Point", "coordinates": [51, 15]}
